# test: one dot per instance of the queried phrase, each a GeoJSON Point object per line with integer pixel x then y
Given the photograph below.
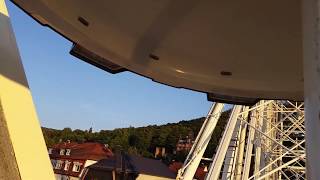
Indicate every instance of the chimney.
{"type": "Point", "coordinates": [120, 162]}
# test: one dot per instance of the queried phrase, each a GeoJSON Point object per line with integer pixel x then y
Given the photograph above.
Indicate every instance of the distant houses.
{"type": "Point", "coordinates": [129, 167]}
{"type": "Point", "coordinates": [160, 152]}
{"type": "Point", "coordinates": [87, 161]}
{"type": "Point", "coordinates": [116, 167]}
{"type": "Point", "coordinates": [185, 143]}
{"type": "Point", "coordinates": [70, 159]}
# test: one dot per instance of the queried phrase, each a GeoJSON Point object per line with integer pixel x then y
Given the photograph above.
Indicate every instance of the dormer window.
{"type": "Point", "coordinates": [68, 152]}
{"type": "Point", "coordinates": [62, 151]}
{"type": "Point", "coordinates": [53, 162]}
{"type": "Point", "coordinates": [58, 164]}
{"type": "Point", "coordinates": [50, 150]}
{"type": "Point", "coordinates": [76, 167]}
{"type": "Point", "coordinates": [67, 165]}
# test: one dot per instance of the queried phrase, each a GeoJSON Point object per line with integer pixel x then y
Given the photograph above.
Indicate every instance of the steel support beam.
{"type": "Point", "coordinates": [23, 152]}
{"type": "Point", "coordinates": [231, 158]}
{"type": "Point", "coordinates": [216, 165]}
{"type": "Point", "coordinates": [258, 143]}
{"type": "Point", "coordinates": [311, 62]}
{"type": "Point", "coordinates": [240, 158]}
{"type": "Point", "coordinates": [282, 166]}
{"type": "Point", "coordinates": [274, 161]}
{"type": "Point", "coordinates": [276, 130]}
{"type": "Point", "coordinates": [195, 155]}
{"type": "Point", "coordinates": [248, 155]}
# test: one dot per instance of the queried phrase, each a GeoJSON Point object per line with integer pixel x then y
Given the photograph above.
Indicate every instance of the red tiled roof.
{"type": "Point", "coordinates": [80, 152]}
{"type": "Point", "coordinates": [175, 166]}
{"type": "Point", "coordinates": [84, 151]}
{"type": "Point", "coordinates": [200, 173]}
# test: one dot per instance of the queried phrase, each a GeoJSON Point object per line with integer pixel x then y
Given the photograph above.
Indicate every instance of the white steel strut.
{"type": "Point", "coordinates": [214, 171]}
{"type": "Point", "coordinates": [193, 159]}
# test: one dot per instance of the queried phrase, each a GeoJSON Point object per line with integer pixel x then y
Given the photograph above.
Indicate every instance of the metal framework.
{"type": "Point", "coordinates": [266, 141]}
{"type": "Point", "coordinates": [193, 159]}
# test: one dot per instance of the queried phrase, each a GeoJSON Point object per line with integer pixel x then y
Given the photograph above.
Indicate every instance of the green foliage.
{"type": "Point", "coordinates": [141, 140]}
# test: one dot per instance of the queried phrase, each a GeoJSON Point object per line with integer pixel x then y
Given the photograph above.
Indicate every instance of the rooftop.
{"type": "Point", "coordinates": [83, 151]}
{"type": "Point", "coordinates": [135, 164]}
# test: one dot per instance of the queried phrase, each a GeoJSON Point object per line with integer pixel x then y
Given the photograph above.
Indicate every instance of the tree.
{"type": "Point", "coordinates": [142, 140]}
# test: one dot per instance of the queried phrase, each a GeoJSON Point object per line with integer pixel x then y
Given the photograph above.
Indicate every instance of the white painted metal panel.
{"type": "Point", "coordinates": [239, 49]}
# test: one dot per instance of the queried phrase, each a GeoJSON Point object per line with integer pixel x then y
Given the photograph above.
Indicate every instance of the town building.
{"type": "Point", "coordinates": [160, 152]}
{"type": "Point", "coordinates": [129, 167]}
{"type": "Point", "coordinates": [69, 159]}
{"type": "Point", "coordinates": [185, 144]}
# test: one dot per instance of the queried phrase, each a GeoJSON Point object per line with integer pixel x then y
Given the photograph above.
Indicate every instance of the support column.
{"type": "Point", "coordinates": [311, 59]}
{"type": "Point", "coordinates": [258, 139]}
{"type": "Point", "coordinates": [230, 157]}
{"type": "Point", "coordinates": [242, 140]}
{"type": "Point", "coordinates": [216, 165]}
{"type": "Point", "coordinates": [268, 143]}
{"type": "Point", "coordinates": [23, 151]}
{"type": "Point", "coordinates": [248, 155]}
{"type": "Point", "coordinates": [280, 148]}
{"type": "Point", "coordinates": [195, 155]}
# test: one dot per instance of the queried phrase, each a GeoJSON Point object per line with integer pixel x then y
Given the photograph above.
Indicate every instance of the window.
{"type": "Point", "coordinates": [76, 166]}
{"type": "Point", "coordinates": [64, 177]}
{"type": "Point", "coordinates": [67, 165]}
{"type": "Point", "coordinates": [53, 162]}
{"type": "Point", "coordinates": [68, 152]}
{"type": "Point", "coordinates": [50, 150]}
{"type": "Point", "coordinates": [62, 151]}
{"type": "Point", "coordinates": [58, 164]}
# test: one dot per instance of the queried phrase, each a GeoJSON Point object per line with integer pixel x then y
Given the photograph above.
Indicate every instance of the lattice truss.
{"type": "Point", "coordinates": [267, 142]}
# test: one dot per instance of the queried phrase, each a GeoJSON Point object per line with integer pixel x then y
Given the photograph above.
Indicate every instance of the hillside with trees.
{"type": "Point", "coordinates": [140, 140]}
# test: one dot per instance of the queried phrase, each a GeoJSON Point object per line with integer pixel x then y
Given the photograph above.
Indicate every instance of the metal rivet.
{"type": "Point", "coordinates": [83, 21]}
{"type": "Point", "coordinates": [226, 73]}
{"type": "Point", "coordinates": [152, 56]}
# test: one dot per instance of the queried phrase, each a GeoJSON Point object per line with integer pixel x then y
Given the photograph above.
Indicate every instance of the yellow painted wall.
{"type": "Point", "coordinates": [21, 119]}
{"type": "Point", "coordinates": [149, 177]}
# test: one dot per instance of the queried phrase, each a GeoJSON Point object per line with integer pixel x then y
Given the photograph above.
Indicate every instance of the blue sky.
{"type": "Point", "coordinates": [70, 93]}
